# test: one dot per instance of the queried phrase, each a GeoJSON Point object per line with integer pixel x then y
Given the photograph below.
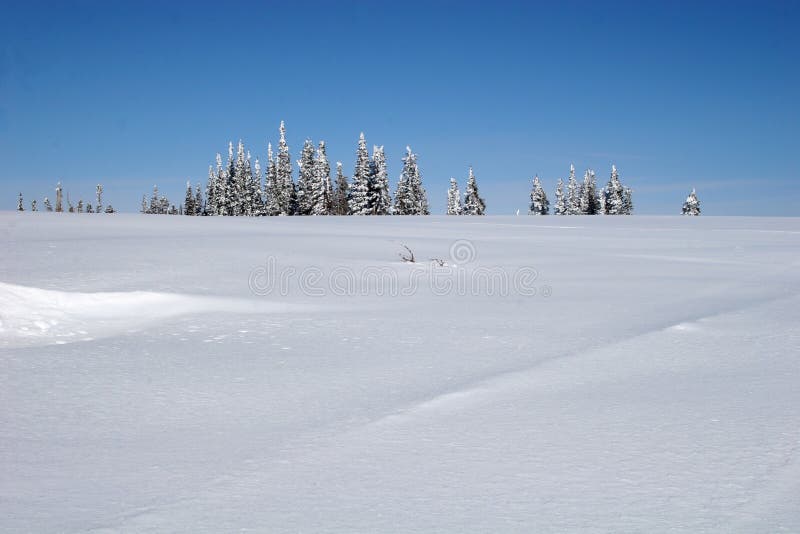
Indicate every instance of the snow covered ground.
{"type": "Point", "coordinates": [637, 374]}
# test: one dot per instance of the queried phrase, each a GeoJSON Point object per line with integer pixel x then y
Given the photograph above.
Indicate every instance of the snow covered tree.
{"type": "Point", "coordinates": [34, 207]}
{"type": "Point", "coordinates": [341, 196]}
{"type": "Point", "coordinates": [79, 208]}
{"type": "Point", "coordinates": [573, 199]}
{"type": "Point", "coordinates": [287, 201]}
{"type": "Point", "coordinates": [305, 179]}
{"type": "Point", "coordinates": [109, 209]}
{"type": "Point", "coordinates": [692, 204]}
{"type": "Point", "coordinates": [155, 202]}
{"type": "Point", "coordinates": [256, 191]}
{"type": "Point", "coordinates": [560, 207]}
{"type": "Point", "coordinates": [322, 192]}
{"type": "Point", "coordinates": [453, 198]}
{"type": "Point", "coordinates": [144, 208]}
{"type": "Point", "coordinates": [47, 205]}
{"type": "Point", "coordinates": [473, 203]}
{"type": "Point", "coordinates": [380, 198]}
{"type": "Point", "coordinates": [410, 197]}
{"type": "Point", "coordinates": [360, 191]}
{"type": "Point", "coordinates": [89, 208]}
{"type": "Point", "coordinates": [198, 201]}
{"type": "Point", "coordinates": [589, 203]}
{"type": "Point", "coordinates": [627, 201]}
{"type": "Point", "coordinates": [99, 197]}
{"type": "Point", "coordinates": [19, 203]}
{"type": "Point", "coordinates": [539, 203]}
{"type": "Point", "coordinates": [272, 191]}
{"type": "Point", "coordinates": [188, 202]}
{"type": "Point", "coordinates": [59, 198]}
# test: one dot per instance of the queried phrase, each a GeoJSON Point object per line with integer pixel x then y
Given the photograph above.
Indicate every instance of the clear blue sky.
{"type": "Point", "coordinates": [677, 94]}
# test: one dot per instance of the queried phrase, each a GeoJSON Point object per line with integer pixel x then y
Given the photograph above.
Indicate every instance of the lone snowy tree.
{"type": "Point", "coordinates": [361, 189]}
{"type": "Point", "coordinates": [539, 203]}
{"type": "Point", "coordinates": [473, 203]}
{"type": "Point", "coordinates": [341, 205]}
{"type": "Point", "coordinates": [453, 198]}
{"type": "Point", "coordinates": [19, 203]}
{"type": "Point", "coordinates": [692, 204]}
{"type": "Point", "coordinates": [47, 205]}
{"type": "Point", "coordinates": [560, 207]}
{"type": "Point", "coordinates": [34, 206]}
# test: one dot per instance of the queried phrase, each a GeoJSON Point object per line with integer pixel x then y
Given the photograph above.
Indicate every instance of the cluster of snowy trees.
{"type": "Point", "coordinates": [472, 204]}
{"type": "Point", "coordinates": [583, 198]}
{"type": "Point", "coordinates": [71, 208]}
{"type": "Point", "coordinates": [237, 188]}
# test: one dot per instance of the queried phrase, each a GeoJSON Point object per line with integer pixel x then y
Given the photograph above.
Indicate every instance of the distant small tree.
{"type": "Point", "coordinates": [33, 205]}
{"type": "Point", "coordinates": [99, 197]}
{"type": "Point", "coordinates": [19, 203]}
{"type": "Point", "coordinates": [109, 209]}
{"type": "Point", "coordinates": [79, 208]}
{"type": "Point", "coordinates": [188, 202]}
{"type": "Point", "coordinates": [692, 204]}
{"type": "Point", "coordinates": [198, 201]}
{"type": "Point", "coordinates": [573, 199]}
{"type": "Point", "coordinates": [89, 208]}
{"type": "Point", "coordinates": [47, 205]}
{"type": "Point", "coordinates": [59, 198]}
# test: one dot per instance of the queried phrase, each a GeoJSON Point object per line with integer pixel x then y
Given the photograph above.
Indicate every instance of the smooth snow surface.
{"type": "Point", "coordinates": [149, 382]}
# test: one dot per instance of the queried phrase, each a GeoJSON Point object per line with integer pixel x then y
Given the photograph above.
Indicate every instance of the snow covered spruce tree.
{"type": "Point", "coordinates": [47, 205]}
{"type": "Point", "coordinates": [20, 207]}
{"type": "Point", "coordinates": [692, 205]}
{"type": "Point", "coordinates": [473, 203]}
{"type": "Point", "coordinates": [454, 198]}
{"type": "Point", "coordinates": [34, 206]}
{"type": "Point", "coordinates": [322, 192]}
{"type": "Point", "coordinates": [341, 205]}
{"type": "Point", "coordinates": [410, 197]}
{"type": "Point", "coordinates": [573, 199]}
{"type": "Point", "coordinates": [256, 191]}
{"type": "Point", "coordinates": [287, 199]}
{"type": "Point", "coordinates": [99, 197]}
{"type": "Point", "coordinates": [198, 201]}
{"type": "Point", "coordinates": [589, 202]}
{"type": "Point", "coordinates": [539, 203]}
{"type": "Point", "coordinates": [380, 198]}
{"type": "Point", "coordinates": [618, 198]}
{"type": "Point", "coordinates": [305, 179]}
{"type": "Point", "coordinates": [272, 190]}
{"type": "Point", "coordinates": [560, 207]}
{"type": "Point", "coordinates": [188, 203]}
{"type": "Point", "coordinates": [361, 188]}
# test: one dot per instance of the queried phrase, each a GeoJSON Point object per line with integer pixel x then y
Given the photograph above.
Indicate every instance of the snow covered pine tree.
{"type": "Point", "coordinates": [692, 205]}
{"type": "Point", "coordinates": [473, 203]}
{"type": "Point", "coordinates": [539, 203]}
{"type": "Point", "coordinates": [453, 198]}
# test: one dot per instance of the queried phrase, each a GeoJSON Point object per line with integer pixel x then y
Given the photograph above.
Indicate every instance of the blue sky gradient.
{"type": "Point", "coordinates": [676, 94]}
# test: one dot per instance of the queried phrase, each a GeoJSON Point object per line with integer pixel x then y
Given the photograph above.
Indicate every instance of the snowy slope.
{"type": "Point", "coordinates": [150, 382]}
